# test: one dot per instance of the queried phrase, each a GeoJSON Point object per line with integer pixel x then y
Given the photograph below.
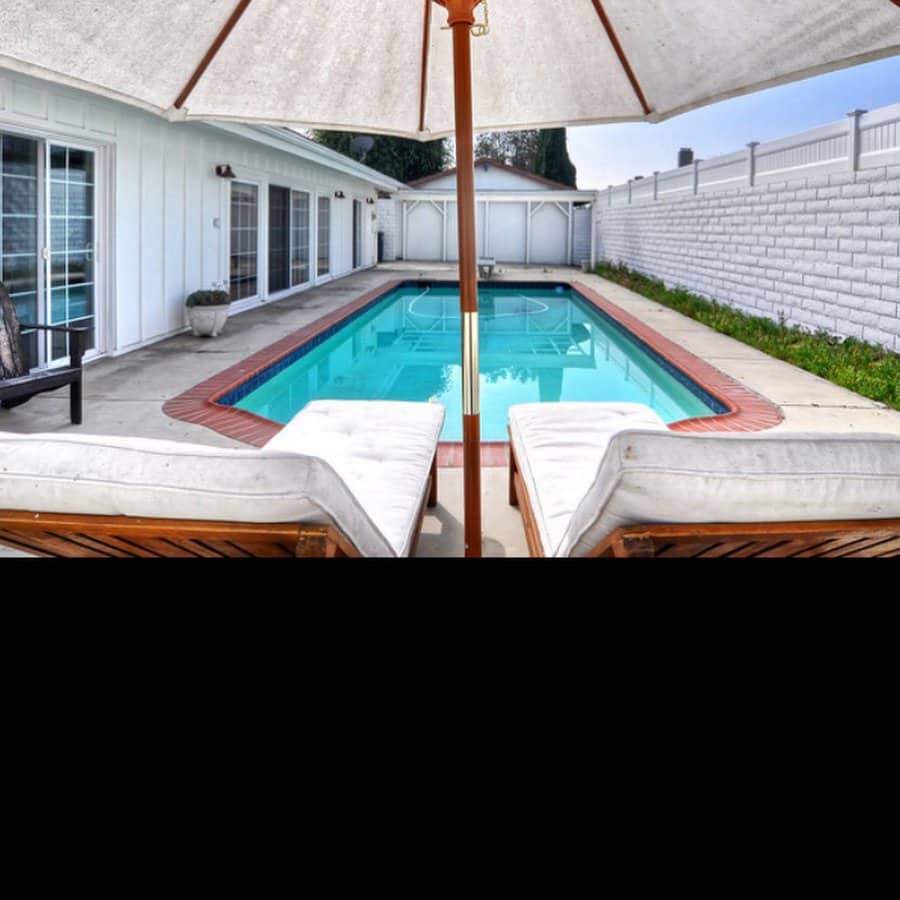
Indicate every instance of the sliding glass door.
{"type": "Point", "coordinates": [288, 239]}
{"type": "Point", "coordinates": [279, 239]}
{"type": "Point", "coordinates": [47, 240]}
{"type": "Point", "coordinates": [20, 257]}
{"type": "Point", "coordinates": [71, 244]}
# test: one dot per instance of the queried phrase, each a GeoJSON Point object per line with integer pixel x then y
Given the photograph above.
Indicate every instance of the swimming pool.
{"type": "Point", "coordinates": [539, 342]}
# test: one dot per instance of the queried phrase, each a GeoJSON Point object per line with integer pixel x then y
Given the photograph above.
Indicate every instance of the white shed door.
{"type": "Point", "coordinates": [550, 236]}
{"type": "Point", "coordinates": [425, 232]}
{"type": "Point", "coordinates": [508, 231]}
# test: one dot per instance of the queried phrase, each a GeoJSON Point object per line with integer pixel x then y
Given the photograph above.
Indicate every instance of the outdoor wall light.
{"type": "Point", "coordinates": [339, 194]}
{"type": "Point", "coordinates": [370, 201]}
{"type": "Point", "coordinates": [225, 172]}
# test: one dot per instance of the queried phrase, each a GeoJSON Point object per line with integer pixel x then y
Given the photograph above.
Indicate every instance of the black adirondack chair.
{"type": "Point", "coordinates": [17, 384]}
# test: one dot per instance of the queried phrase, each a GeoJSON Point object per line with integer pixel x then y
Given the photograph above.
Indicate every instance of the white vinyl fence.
{"type": "Point", "coordinates": [859, 142]}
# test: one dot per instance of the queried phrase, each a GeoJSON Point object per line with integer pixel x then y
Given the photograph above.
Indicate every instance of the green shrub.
{"type": "Point", "coordinates": [867, 369]}
{"type": "Point", "coordinates": [208, 298]}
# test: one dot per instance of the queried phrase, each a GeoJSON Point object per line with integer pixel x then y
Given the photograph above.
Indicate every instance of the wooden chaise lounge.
{"type": "Point", "coordinates": [17, 384]}
{"type": "Point", "coordinates": [344, 478]}
{"type": "Point", "coordinates": [611, 480]}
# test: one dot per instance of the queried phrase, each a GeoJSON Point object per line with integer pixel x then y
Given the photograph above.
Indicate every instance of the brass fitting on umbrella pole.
{"type": "Point", "coordinates": [470, 366]}
{"type": "Point", "coordinates": [462, 12]}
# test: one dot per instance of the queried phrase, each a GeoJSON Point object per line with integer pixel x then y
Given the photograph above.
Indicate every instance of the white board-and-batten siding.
{"type": "Point", "coordinates": [162, 214]}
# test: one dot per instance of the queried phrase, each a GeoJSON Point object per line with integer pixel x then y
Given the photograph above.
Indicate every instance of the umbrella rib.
{"type": "Point", "coordinates": [216, 45]}
{"type": "Point", "coordinates": [426, 47]}
{"type": "Point", "coordinates": [623, 59]}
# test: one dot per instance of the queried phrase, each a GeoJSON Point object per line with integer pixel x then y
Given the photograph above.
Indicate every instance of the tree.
{"type": "Point", "coordinates": [552, 157]}
{"type": "Point", "coordinates": [399, 158]}
{"type": "Point", "coordinates": [512, 148]}
{"type": "Point", "coordinates": [543, 152]}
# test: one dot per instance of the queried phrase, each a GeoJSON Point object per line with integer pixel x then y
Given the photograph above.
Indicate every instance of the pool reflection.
{"type": "Point", "coordinates": [537, 344]}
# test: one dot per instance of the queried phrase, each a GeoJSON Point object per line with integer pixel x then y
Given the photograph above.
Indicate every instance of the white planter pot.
{"type": "Point", "coordinates": [207, 321]}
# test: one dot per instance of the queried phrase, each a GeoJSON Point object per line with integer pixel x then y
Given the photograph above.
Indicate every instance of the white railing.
{"type": "Point", "coordinates": [864, 140]}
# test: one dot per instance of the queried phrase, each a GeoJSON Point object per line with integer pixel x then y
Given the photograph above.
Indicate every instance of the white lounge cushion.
{"type": "Point", "coordinates": [92, 475]}
{"type": "Point", "coordinates": [559, 447]}
{"type": "Point", "coordinates": [657, 476]}
{"type": "Point", "coordinates": [382, 450]}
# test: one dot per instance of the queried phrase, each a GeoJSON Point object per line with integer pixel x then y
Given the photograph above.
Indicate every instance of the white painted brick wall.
{"type": "Point", "coordinates": [389, 223]}
{"type": "Point", "coordinates": [821, 252]}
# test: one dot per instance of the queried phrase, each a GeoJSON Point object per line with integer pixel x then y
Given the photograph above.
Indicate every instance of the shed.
{"type": "Point", "coordinates": [523, 218]}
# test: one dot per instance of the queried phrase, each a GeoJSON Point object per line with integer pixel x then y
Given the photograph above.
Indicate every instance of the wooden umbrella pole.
{"type": "Point", "coordinates": [461, 18]}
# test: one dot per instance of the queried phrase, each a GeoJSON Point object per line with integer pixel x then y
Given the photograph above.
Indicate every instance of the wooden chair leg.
{"type": "Point", "coordinates": [513, 497]}
{"type": "Point", "coordinates": [75, 402]}
{"type": "Point", "coordinates": [316, 543]}
{"type": "Point", "coordinates": [634, 546]}
{"type": "Point", "coordinates": [433, 490]}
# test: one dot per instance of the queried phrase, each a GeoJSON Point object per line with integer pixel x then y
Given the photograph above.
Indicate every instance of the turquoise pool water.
{"type": "Point", "coordinates": [538, 343]}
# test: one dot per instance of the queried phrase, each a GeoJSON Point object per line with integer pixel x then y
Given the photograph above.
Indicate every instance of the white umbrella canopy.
{"type": "Point", "coordinates": [357, 64]}
{"type": "Point", "coordinates": [387, 67]}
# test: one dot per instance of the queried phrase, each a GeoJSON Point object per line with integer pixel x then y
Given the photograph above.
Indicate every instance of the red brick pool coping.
{"type": "Point", "coordinates": [747, 410]}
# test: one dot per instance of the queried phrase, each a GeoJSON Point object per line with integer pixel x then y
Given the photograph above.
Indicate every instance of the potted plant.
{"type": "Point", "coordinates": [207, 312]}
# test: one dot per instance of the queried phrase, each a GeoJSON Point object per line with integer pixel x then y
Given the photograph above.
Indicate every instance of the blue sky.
{"type": "Point", "coordinates": [611, 154]}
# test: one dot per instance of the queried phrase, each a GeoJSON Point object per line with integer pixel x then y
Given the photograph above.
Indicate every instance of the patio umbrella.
{"type": "Point", "coordinates": [386, 66]}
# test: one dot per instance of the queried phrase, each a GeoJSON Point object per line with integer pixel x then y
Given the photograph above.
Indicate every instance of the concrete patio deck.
{"type": "Point", "coordinates": [125, 395]}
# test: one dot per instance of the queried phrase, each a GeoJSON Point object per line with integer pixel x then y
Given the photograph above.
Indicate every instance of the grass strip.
{"type": "Point", "coordinates": [868, 369]}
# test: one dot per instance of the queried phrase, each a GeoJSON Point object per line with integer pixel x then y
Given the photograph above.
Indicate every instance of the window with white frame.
{"type": "Point", "coordinates": [244, 240]}
{"type": "Point", "coordinates": [323, 257]}
{"type": "Point", "coordinates": [299, 238]}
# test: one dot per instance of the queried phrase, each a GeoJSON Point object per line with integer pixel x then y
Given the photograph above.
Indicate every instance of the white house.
{"type": "Point", "coordinates": [522, 218]}
{"type": "Point", "coordinates": [110, 216]}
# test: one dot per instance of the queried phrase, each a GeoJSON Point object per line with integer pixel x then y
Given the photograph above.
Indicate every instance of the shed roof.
{"type": "Point", "coordinates": [486, 161]}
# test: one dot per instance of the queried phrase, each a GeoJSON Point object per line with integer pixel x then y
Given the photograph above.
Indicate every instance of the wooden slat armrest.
{"type": "Point", "coordinates": [77, 347]}
{"type": "Point", "coordinates": [61, 376]}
